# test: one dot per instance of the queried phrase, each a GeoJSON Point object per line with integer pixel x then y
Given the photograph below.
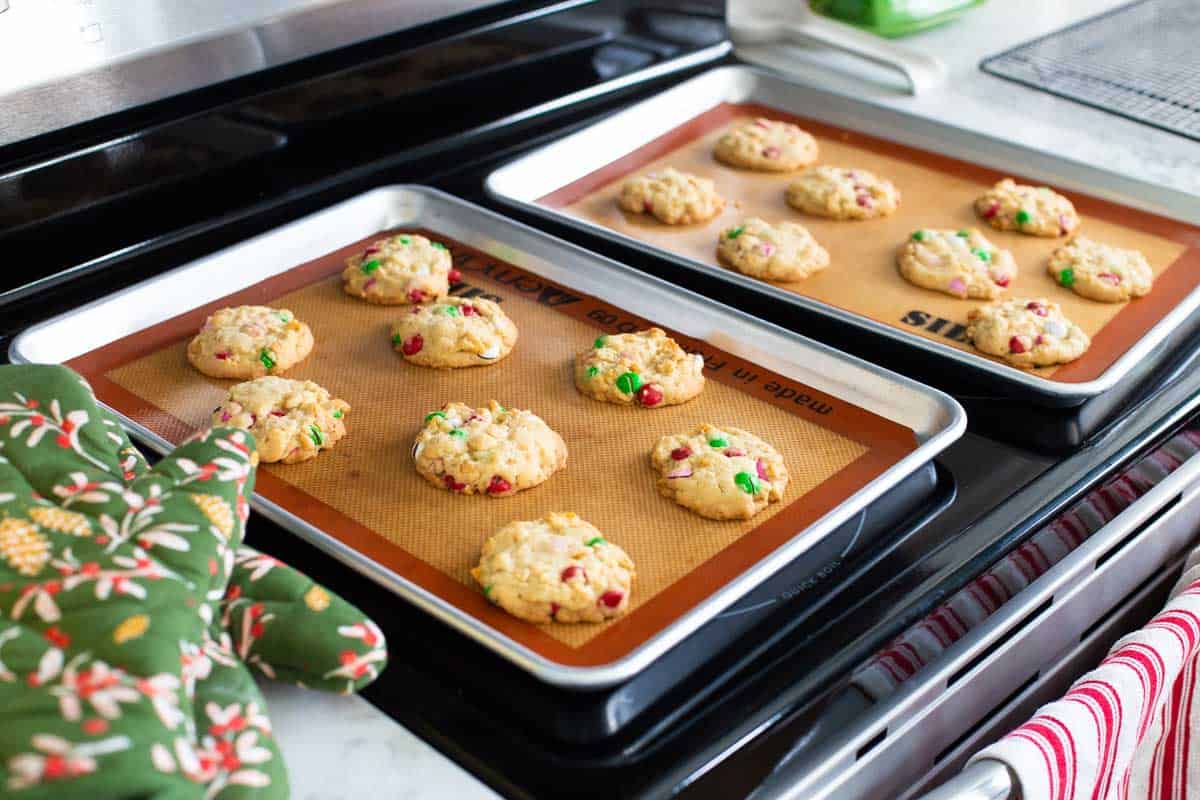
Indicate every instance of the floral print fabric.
{"type": "Point", "coordinates": [133, 619]}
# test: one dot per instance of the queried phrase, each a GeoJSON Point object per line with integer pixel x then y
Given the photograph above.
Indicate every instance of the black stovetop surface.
{"type": "Point", "coordinates": [322, 140]}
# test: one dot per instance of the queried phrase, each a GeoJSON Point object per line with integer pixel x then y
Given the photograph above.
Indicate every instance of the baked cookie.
{"type": "Point", "coordinates": [454, 332]}
{"type": "Point", "coordinates": [840, 193]}
{"type": "Point", "coordinates": [291, 420]}
{"type": "Point", "coordinates": [400, 270]}
{"type": "Point", "coordinates": [249, 342]}
{"type": "Point", "coordinates": [647, 368]}
{"type": "Point", "coordinates": [960, 263]}
{"type": "Point", "coordinates": [1026, 333]}
{"type": "Point", "coordinates": [720, 473]}
{"type": "Point", "coordinates": [783, 252]}
{"type": "Point", "coordinates": [673, 197]}
{"type": "Point", "coordinates": [1100, 271]}
{"type": "Point", "coordinates": [559, 568]}
{"type": "Point", "coordinates": [1035, 210]}
{"type": "Point", "coordinates": [495, 451]}
{"type": "Point", "coordinates": [766, 145]}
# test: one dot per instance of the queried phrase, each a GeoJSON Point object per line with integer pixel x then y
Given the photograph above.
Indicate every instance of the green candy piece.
{"type": "Point", "coordinates": [459, 432]}
{"type": "Point", "coordinates": [452, 310]}
{"type": "Point", "coordinates": [963, 234]}
{"type": "Point", "coordinates": [397, 338]}
{"type": "Point", "coordinates": [370, 267]}
{"type": "Point", "coordinates": [1067, 277]}
{"type": "Point", "coordinates": [405, 240]}
{"type": "Point", "coordinates": [982, 255]}
{"type": "Point", "coordinates": [918, 236]}
{"type": "Point", "coordinates": [267, 358]}
{"type": "Point", "coordinates": [736, 232]}
{"type": "Point", "coordinates": [315, 434]}
{"type": "Point", "coordinates": [439, 246]}
{"type": "Point", "coordinates": [593, 372]}
{"type": "Point", "coordinates": [747, 483]}
{"type": "Point", "coordinates": [595, 540]}
{"type": "Point", "coordinates": [599, 342]}
{"type": "Point", "coordinates": [487, 590]}
{"type": "Point", "coordinates": [337, 414]}
{"type": "Point", "coordinates": [286, 317]}
{"type": "Point", "coordinates": [1023, 217]}
{"type": "Point", "coordinates": [629, 382]}
{"type": "Point", "coordinates": [433, 414]}
{"type": "Point", "coordinates": [717, 443]}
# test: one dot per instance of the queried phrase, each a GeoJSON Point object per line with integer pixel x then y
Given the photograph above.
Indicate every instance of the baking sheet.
{"type": "Point", "coordinates": [365, 494]}
{"type": "Point", "coordinates": [862, 284]}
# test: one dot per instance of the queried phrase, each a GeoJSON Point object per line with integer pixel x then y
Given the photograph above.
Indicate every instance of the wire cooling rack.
{"type": "Point", "coordinates": [1140, 61]}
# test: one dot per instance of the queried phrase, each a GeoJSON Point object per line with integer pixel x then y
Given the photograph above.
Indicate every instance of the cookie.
{"type": "Point", "coordinates": [495, 451]}
{"type": "Point", "coordinates": [647, 369]}
{"type": "Point", "coordinates": [454, 332]}
{"type": "Point", "coordinates": [720, 473]}
{"type": "Point", "coordinates": [1026, 333]}
{"type": "Point", "coordinates": [249, 342]}
{"type": "Point", "coordinates": [1035, 210]}
{"type": "Point", "coordinates": [401, 270]}
{"type": "Point", "coordinates": [673, 197]}
{"type": "Point", "coordinates": [1101, 272]}
{"type": "Point", "coordinates": [782, 252]}
{"type": "Point", "coordinates": [291, 420]}
{"type": "Point", "coordinates": [840, 193]}
{"type": "Point", "coordinates": [960, 263]}
{"type": "Point", "coordinates": [559, 568]}
{"type": "Point", "coordinates": [766, 145]}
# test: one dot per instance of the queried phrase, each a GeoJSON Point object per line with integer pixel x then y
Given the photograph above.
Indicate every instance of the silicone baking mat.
{"type": "Point", "coordinates": [365, 492]}
{"type": "Point", "coordinates": [937, 192]}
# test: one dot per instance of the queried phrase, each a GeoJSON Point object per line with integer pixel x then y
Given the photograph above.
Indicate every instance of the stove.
{"type": "Point", "coordinates": [99, 205]}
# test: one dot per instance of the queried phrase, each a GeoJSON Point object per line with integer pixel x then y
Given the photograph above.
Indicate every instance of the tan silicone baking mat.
{"type": "Point", "coordinates": [365, 492]}
{"type": "Point", "coordinates": [936, 192]}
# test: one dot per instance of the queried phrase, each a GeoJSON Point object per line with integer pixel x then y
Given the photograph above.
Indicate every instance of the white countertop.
{"type": "Point", "coordinates": [342, 747]}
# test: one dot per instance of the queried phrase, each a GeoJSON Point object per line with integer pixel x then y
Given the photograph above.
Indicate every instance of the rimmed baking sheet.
{"type": "Point", "coordinates": [848, 431]}
{"type": "Point", "coordinates": [578, 178]}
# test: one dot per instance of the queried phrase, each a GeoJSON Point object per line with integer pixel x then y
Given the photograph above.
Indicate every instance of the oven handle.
{"type": "Point", "coordinates": [985, 779]}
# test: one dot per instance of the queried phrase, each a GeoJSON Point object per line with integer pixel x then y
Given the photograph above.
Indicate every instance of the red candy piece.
{"type": "Point", "coordinates": [468, 311]}
{"type": "Point", "coordinates": [412, 345]}
{"type": "Point", "coordinates": [612, 599]}
{"type": "Point", "coordinates": [1039, 340]}
{"type": "Point", "coordinates": [416, 296]}
{"type": "Point", "coordinates": [733, 452]}
{"type": "Point", "coordinates": [1015, 345]}
{"type": "Point", "coordinates": [1110, 278]}
{"type": "Point", "coordinates": [771, 152]}
{"type": "Point", "coordinates": [498, 485]}
{"type": "Point", "coordinates": [649, 395]}
{"type": "Point", "coordinates": [863, 200]}
{"type": "Point", "coordinates": [1001, 281]}
{"type": "Point", "coordinates": [367, 286]}
{"type": "Point", "coordinates": [991, 211]}
{"type": "Point", "coordinates": [680, 453]}
{"type": "Point", "coordinates": [572, 571]}
{"type": "Point", "coordinates": [278, 413]}
{"type": "Point", "coordinates": [648, 207]}
{"type": "Point", "coordinates": [370, 251]}
{"type": "Point", "coordinates": [1037, 308]}
{"type": "Point", "coordinates": [452, 484]}
{"type": "Point", "coordinates": [761, 469]}
{"type": "Point", "coordinates": [554, 609]}
{"type": "Point", "coordinates": [454, 276]}
{"type": "Point", "coordinates": [222, 356]}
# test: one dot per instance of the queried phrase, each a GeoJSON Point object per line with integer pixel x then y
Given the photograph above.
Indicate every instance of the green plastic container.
{"type": "Point", "coordinates": [894, 18]}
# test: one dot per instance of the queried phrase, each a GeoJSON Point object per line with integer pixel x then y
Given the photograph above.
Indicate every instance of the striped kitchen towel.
{"type": "Point", "coordinates": [1124, 730]}
{"type": "Point", "coordinates": [979, 599]}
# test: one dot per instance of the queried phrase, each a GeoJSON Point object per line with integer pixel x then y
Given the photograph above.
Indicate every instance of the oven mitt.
{"type": "Point", "coordinates": [132, 619]}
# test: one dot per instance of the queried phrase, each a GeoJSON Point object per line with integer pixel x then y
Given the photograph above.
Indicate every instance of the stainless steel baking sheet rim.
{"type": "Point", "coordinates": [935, 417]}
{"type": "Point", "coordinates": [513, 183]}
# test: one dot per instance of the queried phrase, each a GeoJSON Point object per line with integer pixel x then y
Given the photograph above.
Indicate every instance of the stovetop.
{"type": "Point", "coordinates": [446, 113]}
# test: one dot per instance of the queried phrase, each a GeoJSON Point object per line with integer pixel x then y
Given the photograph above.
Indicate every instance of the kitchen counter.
{"type": "Point", "coordinates": [342, 747]}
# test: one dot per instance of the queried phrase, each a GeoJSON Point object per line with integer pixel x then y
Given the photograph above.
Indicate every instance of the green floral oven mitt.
{"type": "Point", "coordinates": [132, 619]}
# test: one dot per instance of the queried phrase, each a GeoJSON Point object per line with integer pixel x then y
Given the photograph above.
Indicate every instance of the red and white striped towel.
{"type": "Point", "coordinates": [979, 599]}
{"type": "Point", "coordinates": [1128, 729]}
